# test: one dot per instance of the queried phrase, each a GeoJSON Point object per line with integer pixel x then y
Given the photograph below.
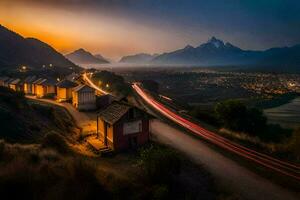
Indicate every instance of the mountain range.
{"type": "Point", "coordinates": [82, 56]}
{"type": "Point", "coordinates": [138, 58]}
{"type": "Point", "coordinates": [217, 53]}
{"type": "Point", "coordinates": [16, 50]}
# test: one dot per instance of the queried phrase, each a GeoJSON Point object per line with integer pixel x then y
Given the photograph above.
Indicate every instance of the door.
{"type": "Point", "coordinates": [133, 142]}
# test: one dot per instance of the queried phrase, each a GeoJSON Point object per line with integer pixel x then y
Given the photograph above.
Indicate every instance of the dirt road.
{"type": "Point", "coordinates": [85, 120]}
{"type": "Point", "coordinates": [227, 172]}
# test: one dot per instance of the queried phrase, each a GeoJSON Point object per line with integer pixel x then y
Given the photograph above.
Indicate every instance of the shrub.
{"type": "Point", "coordinates": [15, 100]}
{"type": "Point", "coordinates": [160, 192]}
{"type": "Point", "coordinates": [116, 83]}
{"type": "Point", "coordinates": [160, 164]}
{"type": "Point", "coordinates": [47, 176]}
{"type": "Point", "coordinates": [55, 141]}
{"type": "Point", "coordinates": [294, 144]}
{"type": "Point", "coordinates": [150, 85]}
{"type": "Point", "coordinates": [206, 116]}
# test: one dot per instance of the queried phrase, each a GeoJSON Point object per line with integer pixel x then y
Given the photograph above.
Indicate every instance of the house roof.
{"type": "Point", "coordinates": [8, 81]}
{"type": "Point", "coordinates": [15, 81]}
{"type": "Point", "coordinates": [37, 81]}
{"type": "Point", "coordinates": [4, 78]}
{"type": "Point", "coordinates": [66, 84]}
{"type": "Point", "coordinates": [30, 79]}
{"type": "Point", "coordinates": [83, 88]}
{"type": "Point", "coordinates": [114, 112]}
{"type": "Point", "coordinates": [49, 82]}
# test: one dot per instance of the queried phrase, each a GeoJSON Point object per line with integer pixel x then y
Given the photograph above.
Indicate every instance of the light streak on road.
{"type": "Point", "coordinates": [285, 168]}
{"type": "Point", "coordinates": [86, 78]}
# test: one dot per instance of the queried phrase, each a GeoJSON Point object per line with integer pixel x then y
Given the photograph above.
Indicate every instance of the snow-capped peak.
{"type": "Point", "coordinates": [217, 43]}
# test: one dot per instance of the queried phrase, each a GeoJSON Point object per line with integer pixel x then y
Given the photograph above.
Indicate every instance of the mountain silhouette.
{"type": "Point", "coordinates": [217, 53]}
{"type": "Point", "coordinates": [82, 56]}
{"type": "Point", "coordinates": [16, 50]}
{"type": "Point", "coordinates": [138, 58]}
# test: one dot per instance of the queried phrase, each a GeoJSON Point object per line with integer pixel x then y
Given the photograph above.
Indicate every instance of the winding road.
{"type": "Point", "coordinates": [241, 180]}
{"type": "Point", "coordinates": [230, 174]}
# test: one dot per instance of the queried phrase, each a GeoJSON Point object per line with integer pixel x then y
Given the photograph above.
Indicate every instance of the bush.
{"type": "Point", "coordinates": [235, 116]}
{"type": "Point", "coordinates": [160, 164]}
{"type": "Point", "coordinates": [55, 141]}
{"type": "Point", "coordinates": [42, 174]}
{"type": "Point", "coordinates": [294, 144]}
{"type": "Point", "coordinates": [16, 100]}
{"type": "Point", "coordinates": [206, 116]}
{"type": "Point", "coordinates": [116, 83]}
{"type": "Point", "coordinates": [160, 192]}
{"type": "Point", "coordinates": [150, 85]}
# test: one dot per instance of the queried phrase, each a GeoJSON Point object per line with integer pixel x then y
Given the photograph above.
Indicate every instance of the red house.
{"type": "Point", "coordinates": [121, 126]}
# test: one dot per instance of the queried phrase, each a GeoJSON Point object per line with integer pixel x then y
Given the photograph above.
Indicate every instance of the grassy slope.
{"type": "Point", "coordinates": [24, 121]}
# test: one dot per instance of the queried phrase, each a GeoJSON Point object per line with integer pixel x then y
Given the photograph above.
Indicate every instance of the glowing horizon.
{"type": "Point", "coordinates": [118, 28]}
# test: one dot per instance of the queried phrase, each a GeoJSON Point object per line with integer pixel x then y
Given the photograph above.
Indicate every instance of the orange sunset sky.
{"type": "Point", "coordinates": [115, 28]}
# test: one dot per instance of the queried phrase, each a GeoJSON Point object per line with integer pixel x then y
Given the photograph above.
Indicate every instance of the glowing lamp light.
{"type": "Point", "coordinates": [58, 79]}
{"type": "Point", "coordinates": [107, 85]}
{"type": "Point", "coordinates": [24, 67]}
{"type": "Point", "coordinates": [50, 65]}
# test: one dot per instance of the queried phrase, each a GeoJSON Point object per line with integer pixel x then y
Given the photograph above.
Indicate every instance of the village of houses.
{"type": "Point", "coordinates": [114, 125]}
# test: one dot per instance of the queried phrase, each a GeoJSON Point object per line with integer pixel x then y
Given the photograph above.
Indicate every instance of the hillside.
{"type": "Point", "coordinates": [25, 121]}
{"type": "Point", "coordinates": [82, 56]}
{"type": "Point", "coordinates": [16, 50]}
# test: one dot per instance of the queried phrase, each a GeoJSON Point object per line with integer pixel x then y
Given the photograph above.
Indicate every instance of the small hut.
{"type": "Point", "coordinates": [64, 90]}
{"type": "Point", "coordinates": [28, 84]}
{"type": "Point", "coordinates": [121, 126]}
{"type": "Point", "coordinates": [16, 85]}
{"type": "Point", "coordinates": [2, 80]}
{"type": "Point", "coordinates": [84, 97]}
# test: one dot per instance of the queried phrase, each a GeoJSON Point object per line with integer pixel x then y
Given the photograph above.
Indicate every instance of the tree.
{"type": "Point", "coordinates": [150, 85]}
{"type": "Point", "coordinates": [111, 82]}
{"type": "Point", "coordinates": [236, 116]}
{"type": "Point", "coordinates": [231, 114]}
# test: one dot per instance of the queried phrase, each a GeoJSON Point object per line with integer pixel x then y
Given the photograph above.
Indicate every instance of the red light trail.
{"type": "Point", "coordinates": [288, 169]}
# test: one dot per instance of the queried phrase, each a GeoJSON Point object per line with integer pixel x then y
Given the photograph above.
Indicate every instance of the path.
{"type": "Point", "coordinates": [85, 120]}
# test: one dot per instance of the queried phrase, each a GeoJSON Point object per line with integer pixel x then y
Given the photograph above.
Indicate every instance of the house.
{"type": "Point", "coordinates": [34, 85]}
{"type": "Point", "coordinates": [16, 85]}
{"type": "Point", "coordinates": [38, 88]}
{"type": "Point", "coordinates": [45, 87]}
{"type": "Point", "coordinates": [7, 82]}
{"type": "Point", "coordinates": [28, 85]}
{"type": "Point", "coordinates": [121, 126]}
{"type": "Point", "coordinates": [64, 90]}
{"type": "Point", "coordinates": [2, 80]}
{"type": "Point", "coordinates": [84, 97]}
